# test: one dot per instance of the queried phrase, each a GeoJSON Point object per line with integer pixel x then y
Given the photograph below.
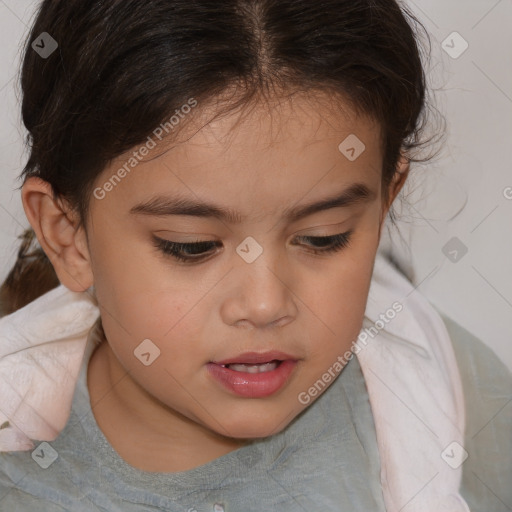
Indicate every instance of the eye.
{"type": "Point", "coordinates": [196, 251]}
{"type": "Point", "coordinates": [327, 244]}
{"type": "Point", "coordinates": [187, 252]}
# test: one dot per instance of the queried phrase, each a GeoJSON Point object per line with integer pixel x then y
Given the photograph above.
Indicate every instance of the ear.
{"type": "Point", "coordinates": [398, 181]}
{"type": "Point", "coordinates": [55, 227]}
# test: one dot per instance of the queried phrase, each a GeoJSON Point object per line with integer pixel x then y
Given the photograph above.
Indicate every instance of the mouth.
{"type": "Point", "coordinates": [256, 362]}
{"type": "Point", "coordinates": [253, 368]}
{"type": "Point", "coordinates": [253, 375]}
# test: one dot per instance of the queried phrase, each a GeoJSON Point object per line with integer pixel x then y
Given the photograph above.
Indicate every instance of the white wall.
{"type": "Point", "coordinates": [14, 22]}
{"type": "Point", "coordinates": [467, 194]}
{"type": "Point", "coordinates": [462, 195]}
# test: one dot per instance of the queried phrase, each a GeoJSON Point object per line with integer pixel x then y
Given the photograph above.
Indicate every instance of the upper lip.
{"type": "Point", "coordinates": [256, 358]}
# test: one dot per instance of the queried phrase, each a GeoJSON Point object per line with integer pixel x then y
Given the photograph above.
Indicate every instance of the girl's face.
{"type": "Point", "coordinates": [254, 284]}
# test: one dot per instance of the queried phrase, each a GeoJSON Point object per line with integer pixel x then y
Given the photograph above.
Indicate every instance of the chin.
{"type": "Point", "coordinates": [254, 426]}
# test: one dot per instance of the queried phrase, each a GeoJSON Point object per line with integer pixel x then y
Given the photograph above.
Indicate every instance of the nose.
{"type": "Point", "coordinates": [260, 294]}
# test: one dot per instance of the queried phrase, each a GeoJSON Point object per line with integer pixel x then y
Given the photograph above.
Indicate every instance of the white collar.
{"type": "Point", "coordinates": [403, 328]}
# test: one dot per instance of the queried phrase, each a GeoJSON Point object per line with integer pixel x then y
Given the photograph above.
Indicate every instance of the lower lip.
{"type": "Point", "coordinates": [253, 385]}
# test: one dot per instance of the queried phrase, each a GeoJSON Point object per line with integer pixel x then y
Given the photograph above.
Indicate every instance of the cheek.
{"type": "Point", "coordinates": [129, 286]}
{"type": "Point", "coordinates": [141, 298]}
{"type": "Point", "coordinates": [163, 317]}
{"type": "Point", "coordinates": [336, 300]}
{"type": "Point", "coordinates": [174, 348]}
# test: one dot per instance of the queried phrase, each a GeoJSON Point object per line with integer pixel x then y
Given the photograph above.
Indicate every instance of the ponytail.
{"type": "Point", "coordinates": [31, 276]}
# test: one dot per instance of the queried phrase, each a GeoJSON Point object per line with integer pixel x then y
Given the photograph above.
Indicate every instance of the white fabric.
{"type": "Point", "coordinates": [416, 396]}
{"type": "Point", "coordinates": [41, 351]}
{"type": "Point", "coordinates": [409, 367]}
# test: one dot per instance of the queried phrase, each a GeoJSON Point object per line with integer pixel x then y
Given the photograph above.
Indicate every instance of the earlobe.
{"type": "Point", "coordinates": [55, 229]}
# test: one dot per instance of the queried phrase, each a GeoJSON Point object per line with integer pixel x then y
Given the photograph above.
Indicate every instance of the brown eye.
{"type": "Point", "coordinates": [326, 244]}
{"type": "Point", "coordinates": [186, 252]}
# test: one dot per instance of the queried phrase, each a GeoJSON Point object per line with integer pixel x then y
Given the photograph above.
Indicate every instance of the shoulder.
{"type": "Point", "coordinates": [21, 487]}
{"type": "Point", "coordinates": [487, 384]}
{"type": "Point", "coordinates": [483, 374]}
{"type": "Point", "coordinates": [481, 369]}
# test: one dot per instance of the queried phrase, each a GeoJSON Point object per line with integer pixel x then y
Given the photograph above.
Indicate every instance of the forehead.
{"type": "Point", "coordinates": [258, 157]}
{"type": "Point", "coordinates": [278, 124]}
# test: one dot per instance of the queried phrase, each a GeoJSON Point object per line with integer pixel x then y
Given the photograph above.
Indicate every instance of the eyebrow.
{"type": "Point", "coordinates": [357, 193]}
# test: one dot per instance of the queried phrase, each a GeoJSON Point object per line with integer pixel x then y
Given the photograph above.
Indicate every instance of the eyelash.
{"type": "Point", "coordinates": [173, 249]}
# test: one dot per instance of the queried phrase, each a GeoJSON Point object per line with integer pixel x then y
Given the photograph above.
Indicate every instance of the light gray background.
{"type": "Point", "coordinates": [466, 193]}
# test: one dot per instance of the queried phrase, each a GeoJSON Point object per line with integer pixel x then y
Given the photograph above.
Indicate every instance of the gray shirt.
{"type": "Point", "coordinates": [326, 460]}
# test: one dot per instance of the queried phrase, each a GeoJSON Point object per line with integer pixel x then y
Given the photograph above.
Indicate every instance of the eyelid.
{"type": "Point", "coordinates": [203, 238]}
{"type": "Point", "coordinates": [192, 236]}
{"type": "Point", "coordinates": [306, 232]}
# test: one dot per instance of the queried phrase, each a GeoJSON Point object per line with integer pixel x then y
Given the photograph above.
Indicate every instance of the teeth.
{"type": "Point", "coordinates": [253, 368]}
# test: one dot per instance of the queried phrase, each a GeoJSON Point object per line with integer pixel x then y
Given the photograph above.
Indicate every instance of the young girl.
{"type": "Point", "coordinates": [208, 183]}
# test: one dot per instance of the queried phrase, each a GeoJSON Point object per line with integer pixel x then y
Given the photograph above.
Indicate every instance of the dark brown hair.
{"type": "Point", "coordinates": [123, 67]}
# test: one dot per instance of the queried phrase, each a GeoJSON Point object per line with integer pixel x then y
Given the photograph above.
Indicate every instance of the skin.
{"type": "Point", "coordinates": [289, 299]}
